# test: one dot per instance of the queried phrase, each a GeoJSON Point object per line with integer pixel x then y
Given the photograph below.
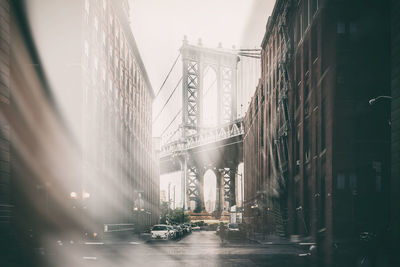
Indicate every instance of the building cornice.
{"type": "Point", "coordinates": [272, 21]}
{"type": "Point", "coordinates": [126, 27]}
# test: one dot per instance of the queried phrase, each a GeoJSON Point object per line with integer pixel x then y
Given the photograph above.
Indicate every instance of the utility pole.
{"type": "Point", "coordinates": [169, 196]}
{"type": "Point", "coordinates": [174, 197]}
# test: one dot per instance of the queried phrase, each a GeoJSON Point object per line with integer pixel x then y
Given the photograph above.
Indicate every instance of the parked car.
{"type": "Point", "coordinates": [196, 228]}
{"type": "Point", "coordinates": [179, 231]}
{"type": "Point", "coordinates": [234, 232]}
{"type": "Point", "coordinates": [160, 231]}
{"type": "Point", "coordinates": [233, 227]}
{"type": "Point", "coordinates": [189, 228]}
{"type": "Point", "coordinates": [184, 228]}
{"type": "Point", "coordinates": [172, 232]}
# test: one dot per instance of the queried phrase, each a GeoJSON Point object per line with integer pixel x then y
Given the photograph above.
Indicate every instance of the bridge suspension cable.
{"type": "Point", "coordinates": [166, 78]}
{"type": "Point", "coordinates": [172, 135]}
{"type": "Point", "coordinates": [169, 98]}
{"type": "Point", "coordinates": [176, 116]}
{"type": "Point", "coordinates": [250, 52]}
{"type": "Point", "coordinates": [209, 88]}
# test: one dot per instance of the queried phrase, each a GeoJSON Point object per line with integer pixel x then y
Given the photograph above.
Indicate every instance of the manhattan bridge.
{"type": "Point", "coordinates": [214, 82]}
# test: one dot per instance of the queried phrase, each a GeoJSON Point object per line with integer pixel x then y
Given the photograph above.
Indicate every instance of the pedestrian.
{"type": "Point", "coordinates": [222, 231]}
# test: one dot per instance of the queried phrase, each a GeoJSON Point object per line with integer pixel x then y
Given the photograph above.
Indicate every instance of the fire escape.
{"type": "Point", "coordinates": [279, 210]}
{"type": "Point", "coordinates": [283, 109]}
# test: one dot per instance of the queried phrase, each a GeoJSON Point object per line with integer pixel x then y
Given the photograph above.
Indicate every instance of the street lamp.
{"type": "Point", "coordinates": [73, 195]}
{"type": "Point", "coordinates": [373, 100]}
{"type": "Point", "coordinates": [86, 195]}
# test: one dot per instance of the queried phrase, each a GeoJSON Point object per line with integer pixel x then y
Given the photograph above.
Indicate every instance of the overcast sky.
{"type": "Point", "coordinates": [160, 25]}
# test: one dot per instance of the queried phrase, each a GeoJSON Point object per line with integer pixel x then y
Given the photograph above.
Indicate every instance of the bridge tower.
{"type": "Point", "coordinates": [195, 60]}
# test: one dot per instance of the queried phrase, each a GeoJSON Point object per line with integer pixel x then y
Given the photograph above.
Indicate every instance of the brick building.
{"type": "Point", "coordinates": [117, 89]}
{"type": "Point", "coordinates": [395, 118]}
{"type": "Point", "coordinates": [89, 159]}
{"type": "Point", "coordinates": [317, 154]}
{"type": "Point", "coordinates": [5, 166]}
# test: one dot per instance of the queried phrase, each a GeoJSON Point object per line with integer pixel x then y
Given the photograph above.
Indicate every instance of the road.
{"type": "Point", "coordinates": [202, 248]}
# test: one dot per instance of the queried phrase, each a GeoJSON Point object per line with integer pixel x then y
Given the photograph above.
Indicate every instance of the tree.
{"type": "Point", "coordinates": [178, 216]}
{"type": "Point", "coordinates": [164, 212]}
{"type": "Point", "coordinates": [172, 216]}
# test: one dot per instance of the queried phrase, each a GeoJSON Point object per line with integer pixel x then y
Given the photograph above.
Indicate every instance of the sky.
{"type": "Point", "coordinates": [159, 27]}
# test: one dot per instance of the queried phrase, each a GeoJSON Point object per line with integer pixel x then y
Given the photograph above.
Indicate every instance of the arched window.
{"type": "Point", "coordinates": [210, 185]}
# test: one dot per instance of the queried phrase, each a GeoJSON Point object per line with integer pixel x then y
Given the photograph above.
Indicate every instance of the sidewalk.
{"type": "Point", "coordinates": [278, 240]}
{"type": "Point", "coordinates": [134, 239]}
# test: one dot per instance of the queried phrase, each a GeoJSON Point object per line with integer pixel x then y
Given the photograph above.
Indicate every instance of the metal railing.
{"type": "Point", "coordinates": [204, 137]}
{"type": "Point", "coordinates": [120, 227]}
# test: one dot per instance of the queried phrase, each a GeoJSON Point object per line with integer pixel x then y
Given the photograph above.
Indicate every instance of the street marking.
{"type": "Point", "coordinates": [90, 258]}
{"type": "Point", "coordinates": [306, 244]}
{"type": "Point", "coordinates": [94, 243]}
{"type": "Point", "coordinates": [304, 254]}
{"type": "Point", "coordinates": [134, 243]}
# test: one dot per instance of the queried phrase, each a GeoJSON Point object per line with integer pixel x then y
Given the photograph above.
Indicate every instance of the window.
{"type": "Point", "coordinates": [340, 75]}
{"type": "Point", "coordinates": [306, 19]}
{"type": "Point", "coordinates": [323, 126]}
{"type": "Point", "coordinates": [298, 69]}
{"type": "Point", "coordinates": [314, 6]}
{"type": "Point", "coordinates": [314, 44]}
{"type": "Point", "coordinates": [306, 91]}
{"type": "Point", "coordinates": [297, 92]}
{"type": "Point", "coordinates": [95, 62]}
{"type": "Point", "coordinates": [87, 7]}
{"type": "Point", "coordinates": [378, 183]}
{"type": "Point", "coordinates": [316, 138]}
{"type": "Point", "coordinates": [110, 85]}
{"type": "Point", "coordinates": [353, 28]}
{"type": "Point", "coordinates": [353, 181]}
{"type": "Point", "coordinates": [298, 151]}
{"type": "Point", "coordinates": [341, 181]}
{"type": "Point", "coordinates": [306, 58]}
{"type": "Point", "coordinates": [341, 27]}
{"type": "Point", "coordinates": [307, 143]}
{"type": "Point", "coordinates": [96, 23]}
{"type": "Point", "coordinates": [300, 28]}
{"type": "Point", "coordinates": [86, 47]}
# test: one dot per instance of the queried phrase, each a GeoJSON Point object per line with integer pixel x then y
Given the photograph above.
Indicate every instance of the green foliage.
{"type": "Point", "coordinates": [178, 216]}
{"type": "Point", "coordinates": [173, 216]}
{"type": "Point", "coordinates": [200, 223]}
{"type": "Point", "coordinates": [163, 212]}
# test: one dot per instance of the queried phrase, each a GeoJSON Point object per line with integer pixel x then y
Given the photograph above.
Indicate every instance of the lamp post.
{"type": "Point", "coordinates": [138, 207]}
{"type": "Point", "coordinates": [79, 202]}
{"type": "Point", "coordinates": [373, 100]}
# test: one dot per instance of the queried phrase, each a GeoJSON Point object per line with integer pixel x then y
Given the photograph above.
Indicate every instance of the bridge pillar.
{"type": "Point", "coordinates": [219, 193]}
{"type": "Point", "coordinates": [183, 164]}
{"type": "Point", "coordinates": [226, 188]}
{"type": "Point", "coordinates": [194, 188]}
{"type": "Point", "coordinates": [232, 189]}
{"type": "Point", "coordinates": [195, 60]}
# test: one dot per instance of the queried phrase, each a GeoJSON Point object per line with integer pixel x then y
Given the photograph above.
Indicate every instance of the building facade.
{"type": "Point", "coordinates": [318, 153]}
{"type": "Point", "coordinates": [118, 149]}
{"type": "Point", "coordinates": [5, 159]}
{"type": "Point", "coordinates": [90, 158]}
{"type": "Point", "coordinates": [395, 124]}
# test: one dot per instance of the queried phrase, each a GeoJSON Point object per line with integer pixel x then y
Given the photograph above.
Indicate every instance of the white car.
{"type": "Point", "coordinates": [233, 227]}
{"type": "Point", "coordinates": [160, 231]}
{"type": "Point", "coordinates": [172, 232]}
